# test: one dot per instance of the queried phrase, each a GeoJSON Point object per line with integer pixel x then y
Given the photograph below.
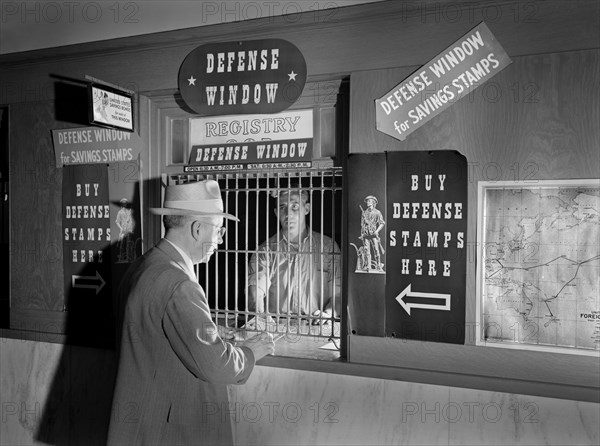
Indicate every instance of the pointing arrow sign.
{"type": "Point", "coordinates": [409, 305]}
{"type": "Point", "coordinates": [76, 282]}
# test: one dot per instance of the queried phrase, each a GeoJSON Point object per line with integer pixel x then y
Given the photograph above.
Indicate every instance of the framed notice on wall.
{"type": "Point", "coordinates": [538, 269]}
{"type": "Point", "coordinates": [110, 107]}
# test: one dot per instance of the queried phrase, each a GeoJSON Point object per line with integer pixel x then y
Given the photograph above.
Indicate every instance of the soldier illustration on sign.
{"type": "Point", "coordinates": [126, 224]}
{"type": "Point", "coordinates": [101, 108]}
{"type": "Point", "coordinates": [369, 255]}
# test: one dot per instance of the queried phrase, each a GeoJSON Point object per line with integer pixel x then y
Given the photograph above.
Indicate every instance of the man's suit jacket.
{"type": "Point", "coordinates": [171, 385]}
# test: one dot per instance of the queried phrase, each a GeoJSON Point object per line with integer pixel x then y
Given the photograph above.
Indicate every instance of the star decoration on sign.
{"type": "Point", "coordinates": [192, 81]}
{"type": "Point", "coordinates": [292, 76]}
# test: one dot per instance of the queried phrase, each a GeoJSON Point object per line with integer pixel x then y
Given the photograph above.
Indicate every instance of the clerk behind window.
{"type": "Point", "coordinates": [297, 270]}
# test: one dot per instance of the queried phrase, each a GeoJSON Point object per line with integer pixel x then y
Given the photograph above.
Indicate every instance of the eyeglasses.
{"type": "Point", "coordinates": [221, 229]}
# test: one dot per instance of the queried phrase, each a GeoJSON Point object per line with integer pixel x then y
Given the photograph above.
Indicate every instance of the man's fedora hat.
{"type": "Point", "coordinates": [202, 198]}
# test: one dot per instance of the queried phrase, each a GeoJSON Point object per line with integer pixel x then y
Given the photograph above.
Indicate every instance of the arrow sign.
{"type": "Point", "coordinates": [81, 282]}
{"type": "Point", "coordinates": [455, 72]}
{"type": "Point", "coordinates": [407, 292]}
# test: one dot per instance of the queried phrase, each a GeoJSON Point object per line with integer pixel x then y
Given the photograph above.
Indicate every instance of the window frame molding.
{"type": "Point", "coordinates": [322, 96]}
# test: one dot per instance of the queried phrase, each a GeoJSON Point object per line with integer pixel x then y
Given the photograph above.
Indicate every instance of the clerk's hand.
{"type": "Point", "coordinates": [324, 317]}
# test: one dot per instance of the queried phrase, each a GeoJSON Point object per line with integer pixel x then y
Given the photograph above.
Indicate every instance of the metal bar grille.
{"type": "Point", "coordinates": [258, 279]}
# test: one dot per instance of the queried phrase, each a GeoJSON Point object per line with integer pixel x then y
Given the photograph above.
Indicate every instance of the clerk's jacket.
{"type": "Point", "coordinates": [171, 384]}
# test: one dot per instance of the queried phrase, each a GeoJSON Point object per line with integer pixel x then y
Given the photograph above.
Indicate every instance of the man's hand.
{"type": "Point", "coordinates": [261, 345]}
{"type": "Point", "coordinates": [226, 333]}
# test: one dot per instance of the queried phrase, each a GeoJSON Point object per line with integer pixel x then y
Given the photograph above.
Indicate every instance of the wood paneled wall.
{"type": "Point", "coordinates": [535, 120]}
{"type": "Point", "coordinates": [36, 210]}
{"type": "Point", "coordinates": [544, 123]}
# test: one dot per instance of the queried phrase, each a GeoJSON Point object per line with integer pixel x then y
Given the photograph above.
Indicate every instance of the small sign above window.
{"type": "Point", "coordinates": [237, 142]}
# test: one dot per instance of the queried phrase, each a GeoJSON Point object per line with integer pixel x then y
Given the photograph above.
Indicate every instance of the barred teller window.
{"type": "Point", "coordinates": [279, 269]}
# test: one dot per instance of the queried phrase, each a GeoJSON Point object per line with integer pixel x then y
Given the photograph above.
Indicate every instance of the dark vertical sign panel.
{"type": "Point", "coordinates": [427, 227]}
{"type": "Point", "coordinates": [366, 258]}
{"type": "Point", "coordinates": [86, 249]}
{"type": "Point", "coordinates": [101, 238]}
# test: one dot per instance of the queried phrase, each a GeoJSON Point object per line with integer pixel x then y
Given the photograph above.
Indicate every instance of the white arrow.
{"type": "Point", "coordinates": [408, 305]}
{"type": "Point", "coordinates": [76, 282]}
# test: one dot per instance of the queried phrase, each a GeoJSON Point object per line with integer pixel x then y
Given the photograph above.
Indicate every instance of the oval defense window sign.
{"type": "Point", "coordinates": [256, 76]}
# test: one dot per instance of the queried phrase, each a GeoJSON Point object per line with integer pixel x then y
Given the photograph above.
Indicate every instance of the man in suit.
{"type": "Point", "coordinates": [174, 365]}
